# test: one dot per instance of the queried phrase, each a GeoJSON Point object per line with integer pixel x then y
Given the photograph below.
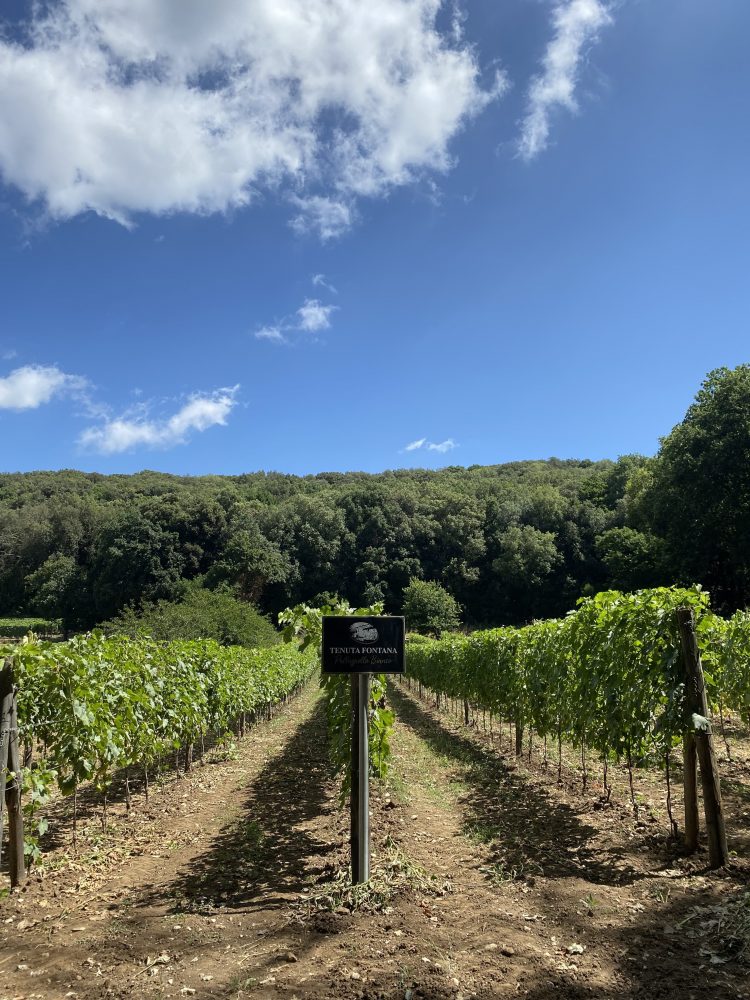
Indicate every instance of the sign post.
{"type": "Point", "coordinates": [363, 791]}
{"type": "Point", "coordinates": [361, 646]}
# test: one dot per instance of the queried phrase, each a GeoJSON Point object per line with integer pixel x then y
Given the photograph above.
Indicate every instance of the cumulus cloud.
{"type": "Point", "coordinates": [576, 23]}
{"type": "Point", "coordinates": [158, 106]}
{"type": "Point", "coordinates": [129, 431]}
{"type": "Point", "coordinates": [422, 443]}
{"type": "Point", "coordinates": [31, 386]}
{"type": "Point", "coordinates": [312, 315]}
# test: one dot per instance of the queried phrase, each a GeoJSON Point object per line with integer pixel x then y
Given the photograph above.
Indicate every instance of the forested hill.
{"type": "Point", "coordinates": [510, 542]}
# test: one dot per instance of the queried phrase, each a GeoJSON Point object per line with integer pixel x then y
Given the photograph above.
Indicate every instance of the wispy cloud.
{"type": "Point", "coordinates": [270, 333]}
{"type": "Point", "coordinates": [576, 23]}
{"type": "Point", "coordinates": [423, 444]}
{"type": "Point", "coordinates": [31, 386]}
{"type": "Point", "coordinates": [106, 106]}
{"type": "Point", "coordinates": [132, 430]}
{"type": "Point", "coordinates": [320, 281]}
{"type": "Point", "coordinates": [448, 445]}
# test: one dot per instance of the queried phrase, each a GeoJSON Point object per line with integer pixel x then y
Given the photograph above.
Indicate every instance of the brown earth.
{"type": "Point", "coordinates": [504, 883]}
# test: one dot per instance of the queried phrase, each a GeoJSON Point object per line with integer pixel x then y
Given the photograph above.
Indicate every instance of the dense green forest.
{"type": "Point", "coordinates": [510, 542]}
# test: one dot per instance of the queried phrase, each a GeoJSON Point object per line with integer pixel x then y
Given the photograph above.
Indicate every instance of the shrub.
{"type": "Point", "coordinates": [201, 614]}
{"type": "Point", "coordinates": [430, 609]}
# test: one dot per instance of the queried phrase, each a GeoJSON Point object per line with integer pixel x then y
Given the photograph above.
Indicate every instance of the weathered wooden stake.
{"type": "Point", "coordinates": [697, 712]}
{"type": "Point", "coordinates": [6, 692]}
{"type": "Point", "coordinates": [690, 778]}
{"type": "Point", "coordinates": [10, 759]}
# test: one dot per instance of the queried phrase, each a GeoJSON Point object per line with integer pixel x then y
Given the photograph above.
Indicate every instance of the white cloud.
{"type": "Point", "coordinates": [320, 281]}
{"type": "Point", "coordinates": [28, 387]}
{"type": "Point", "coordinates": [448, 445]}
{"type": "Point", "coordinates": [325, 217]}
{"type": "Point", "coordinates": [422, 443]}
{"type": "Point", "coordinates": [312, 315]}
{"type": "Point", "coordinates": [124, 433]}
{"type": "Point", "coordinates": [158, 106]}
{"type": "Point", "coordinates": [576, 23]}
{"type": "Point", "coordinates": [270, 333]}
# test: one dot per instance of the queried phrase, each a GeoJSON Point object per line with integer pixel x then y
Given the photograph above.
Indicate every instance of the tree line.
{"type": "Point", "coordinates": [511, 543]}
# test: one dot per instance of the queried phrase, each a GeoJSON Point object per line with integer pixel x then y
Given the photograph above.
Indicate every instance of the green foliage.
{"type": "Point", "coordinates": [430, 609]}
{"type": "Point", "coordinates": [97, 704]}
{"type": "Point", "coordinates": [201, 614]}
{"type": "Point", "coordinates": [512, 543]}
{"type": "Point", "coordinates": [609, 674]}
{"type": "Point", "coordinates": [54, 587]}
{"type": "Point", "coordinates": [83, 546]}
{"type": "Point", "coordinates": [696, 493]}
{"type": "Point", "coordinates": [303, 625]}
{"type": "Point", "coordinates": [634, 560]}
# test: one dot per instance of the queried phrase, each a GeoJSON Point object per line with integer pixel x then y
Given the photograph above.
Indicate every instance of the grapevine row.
{"type": "Point", "coordinates": [608, 675]}
{"type": "Point", "coordinates": [97, 704]}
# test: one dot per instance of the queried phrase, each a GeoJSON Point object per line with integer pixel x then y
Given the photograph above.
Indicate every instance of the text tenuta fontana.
{"type": "Point", "coordinates": [364, 649]}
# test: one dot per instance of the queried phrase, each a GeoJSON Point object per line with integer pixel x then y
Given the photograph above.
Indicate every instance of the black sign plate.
{"type": "Point", "coordinates": [371, 645]}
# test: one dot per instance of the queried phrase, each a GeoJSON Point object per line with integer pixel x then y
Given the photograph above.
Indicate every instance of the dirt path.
{"type": "Point", "coordinates": [503, 886]}
{"type": "Point", "coordinates": [553, 897]}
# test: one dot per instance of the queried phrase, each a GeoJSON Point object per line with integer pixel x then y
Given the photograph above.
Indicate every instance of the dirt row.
{"type": "Point", "coordinates": [490, 881]}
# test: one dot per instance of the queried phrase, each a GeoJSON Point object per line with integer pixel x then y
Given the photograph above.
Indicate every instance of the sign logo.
{"type": "Point", "coordinates": [363, 632]}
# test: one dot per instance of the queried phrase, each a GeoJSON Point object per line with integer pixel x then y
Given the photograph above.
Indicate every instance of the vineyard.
{"type": "Point", "coordinates": [604, 687]}
{"type": "Point", "coordinates": [608, 678]}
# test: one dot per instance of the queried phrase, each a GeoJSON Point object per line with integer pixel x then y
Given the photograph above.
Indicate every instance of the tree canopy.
{"type": "Point", "coordinates": [510, 543]}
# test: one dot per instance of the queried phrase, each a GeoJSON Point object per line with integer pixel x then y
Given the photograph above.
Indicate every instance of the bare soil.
{"type": "Point", "coordinates": [213, 888]}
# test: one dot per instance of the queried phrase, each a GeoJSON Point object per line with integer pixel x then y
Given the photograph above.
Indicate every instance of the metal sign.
{"type": "Point", "coordinates": [368, 645]}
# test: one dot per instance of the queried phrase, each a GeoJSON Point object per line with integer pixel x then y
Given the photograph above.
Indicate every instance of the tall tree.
{"type": "Point", "coordinates": [696, 493]}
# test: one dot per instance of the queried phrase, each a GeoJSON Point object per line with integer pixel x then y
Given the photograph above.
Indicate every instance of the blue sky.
{"type": "Point", "coordinates": [524, 234]}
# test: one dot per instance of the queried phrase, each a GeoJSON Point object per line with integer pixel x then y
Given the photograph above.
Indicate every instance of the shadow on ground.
{"type": "Point", "coordinates": [271, 850]}
{"type": "Point", "coordinates": [526, 831]}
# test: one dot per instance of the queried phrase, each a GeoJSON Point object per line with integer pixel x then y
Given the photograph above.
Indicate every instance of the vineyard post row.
{"type": "Point", "coordinates": [620, 676]}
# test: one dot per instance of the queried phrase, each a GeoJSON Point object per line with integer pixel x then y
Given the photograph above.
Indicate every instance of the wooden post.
{"type": "Point", "coordinates": [697, 706]}
{"type": "Point", "coordinates": [6, 694]}
{"type": "Point", "coordinates": [466, 711]}
{"type": "Point", "coordinates": [12, 797]}
{"type": "Point", "coordinates": [519, 738]}
{"type": "Point", "coordinates": [690, 774]}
